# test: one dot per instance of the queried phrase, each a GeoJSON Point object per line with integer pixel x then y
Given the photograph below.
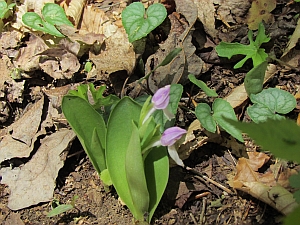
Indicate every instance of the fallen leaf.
{"type": "Point", "coordinates": [117, 55]}
{"type": "Point", "coordinates": [59, 63]}
{"type": "Point", "coordinates": [293, 39]}
{"type": "Point", "coordinates": [28, 58]}
{"type": "Point", "coordinates": [39, 173]}
{"type": "Point", "coordinates": [74, 11]}
{"type": "Point", "coordinates": [260, 11]}
{"type": "Point", "coordinates": [206, 14]}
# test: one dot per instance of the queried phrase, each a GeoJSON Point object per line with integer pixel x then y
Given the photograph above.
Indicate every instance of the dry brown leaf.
{"type": "Point", "coordinates": [117, 55]}
{"type": "Point", "coordinates": [26, 127]}
{"type": "Point", "coordinates": [260, 11]}
{"type": "Point", "coordinates": [59, 63]}
{"type": "Point", "coordinates": [74, 11]}
{"type": "Point", "coordinates": [13, 218]}
{"type": "Point", "coordinates": [206, 14]}
{"type": "Point", "coordinates": [185, 63]}
{"type": "Point", "coordinates": [28, 58]}
{"type": "Point", "coordinates": [94, 20]}
{"type": "Point", "coordinates": [39, 173]}
{"type": "Point", "coordinates": [5, 68]}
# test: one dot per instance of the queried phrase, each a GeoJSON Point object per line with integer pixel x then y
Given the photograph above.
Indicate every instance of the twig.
{"type": "Point", "coordinates": [193, 218]}
{"type": "Point", "coordinates": [209, 180]}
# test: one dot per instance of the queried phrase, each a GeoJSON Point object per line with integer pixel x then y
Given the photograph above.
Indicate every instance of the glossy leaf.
{"type": "Point", "coordinates": [209, 92]}
{"type": "Point", "coordinates": [135, 175]}
{"type": "Point", "coordinates": [119, 130]}
{"type": "Point", "coordinates": [269, 102]}
{"type": "Point", "coordinates": [204, 115]}
{"type": "Point", "coordinates": [157, 174]}
{"type": "Point", "coordinates": [135, 23]}
{"type": "Point", "coordinates": [89, 127]}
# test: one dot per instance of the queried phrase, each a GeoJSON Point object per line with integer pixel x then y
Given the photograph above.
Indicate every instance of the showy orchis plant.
{"type": "Point", "coordinates": [128, 150]}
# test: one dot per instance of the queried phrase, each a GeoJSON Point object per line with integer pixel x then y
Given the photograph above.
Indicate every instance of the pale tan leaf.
{"type": "Point", "coordinates": [293, 39]}
{"type": "Point", "coordinates": [39, 173]}
{"type": "Point", "coordinates": [74, 10]}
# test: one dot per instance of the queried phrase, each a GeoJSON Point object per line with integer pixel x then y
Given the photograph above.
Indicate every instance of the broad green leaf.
{"type": "Point", "coordinates": [252, 50]}
{"type": "Point", "coordinates": [157, 174]}
{"type": "Point", "coordinates": [34, 21]}
{"type": "Point", "coordinates": [119, 130]}
{"type": "Point", "coordinates": [209, 92]}
{"type": "Point", "coordinates": [292, 218]}
{"type": "Point", "coordinates": [221, 109]}
{"type": "Point", "coordinates": [135, 23]}
{"type": "Point", "coordinates": [4, 9]}
{"type": "Point", "coordinates": [88, 66]}
{"type": "Point", "coordinates": [295, 183]}
{"type": "Point", "coordinates": [270, 101]}
{"type": "Point", "coordinates": [254, 79]}
{"type": "Point", "coordinates": [281, 137]}
{"type": "Point", "coordinates": [135, 174]}
{"type": "Point", "coordinates": [88, 124]}
{"type": "Point", "coordinates": [60, 209]}
{"type": "Point", "coordinates": [204, 115]}
{"type": "Point", "coordinates": [55, 15]}
{"type": "Point", "coordinates": [175, 96]}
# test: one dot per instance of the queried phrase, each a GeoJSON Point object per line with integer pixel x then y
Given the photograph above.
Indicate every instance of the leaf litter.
{"type": "Point", "coordinates": [100, 37]}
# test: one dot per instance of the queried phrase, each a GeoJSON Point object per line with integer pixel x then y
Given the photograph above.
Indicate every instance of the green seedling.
{"type": "Point", "coordinates": [210, 118]}
{"type": "Point", "coordinates": [53, 15]}
{"type": "Point", "coordinates": [88, 66]}
{"type": "Point", "coordinates": [253, 50]}
{"type": "Point", "coordinates": [61, 208]}
{"type": "Point", "coordinates": [5, 9]}
{"type": "Point", "coordinates": [269, 103]}
{"type": "Point", "coordinates": [139, 24]}
{"type": "Point", "coordinates": [209, 92]}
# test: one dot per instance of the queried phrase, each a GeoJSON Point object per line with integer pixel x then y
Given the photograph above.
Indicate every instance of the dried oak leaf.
{"type": "Point", "coordinates": [39, 173]}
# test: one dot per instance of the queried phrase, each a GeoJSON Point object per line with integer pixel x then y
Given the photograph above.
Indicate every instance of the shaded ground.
{"type": "Point", "coordinates": [188, 199]}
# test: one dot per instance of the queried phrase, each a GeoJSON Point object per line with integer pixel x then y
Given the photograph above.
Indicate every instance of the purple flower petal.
{"type": "Point", "coordinates": [171, 135]}
{"type": "Point", "coordinates": [161, 97]}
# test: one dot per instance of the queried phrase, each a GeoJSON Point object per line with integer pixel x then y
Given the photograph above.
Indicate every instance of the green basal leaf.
{"type": "Point", "coordinates": [119, 130]}
{"type": "Point", "coordinates": [222, 109]}
{"type": "Point", "coordinates": [209, 92]}
{"type": "Point", "coordinates": [292, 218]}
{"type": "Point", "coordinates": [89, 127]}
{"type": "Point", "coordinates": [295, 183]}
{"type": "Point", "coordinates": [4, 9]}
{"type": "Point", "coordinates": [281, 137]}
{"type": "Point", "coordinates": [204, 115]}
{"type": "Point", "coordinates": [60, 209]}
{"type": "Point", "coordinates": [135, 175]}
{"type": "Point", "coordinates": [175, 96]}
{"type": "Point", "coordinates": [270, 101]}
{"type": "Point", "coordinates": [105, 177]}
{"type": "Point", "coordinates": [254, 79]}
{"type": "Point", "coordinates": [135, 23]}
{"type": "Point", "coordinates": [157, 174]}
{"type": "Point", "coordinates": [252, 50]}
{"type": "Point", "coordinates": [55, 15]}
{"type": "Point", "coordinates": [34, 21]}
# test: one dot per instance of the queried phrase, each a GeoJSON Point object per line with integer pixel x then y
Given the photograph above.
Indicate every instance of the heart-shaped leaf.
{"type": "Point", "coordinates": [135, 23]}
{"type": "Point", "coordinates": [268, 102]}
{"type": "Point", "coordinates": [204, 115]}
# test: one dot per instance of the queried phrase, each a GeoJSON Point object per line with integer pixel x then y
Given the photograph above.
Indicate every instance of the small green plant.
{"type": "Point", "coordinates": [253, 50]}
{"type": "Point", "coordinates": [128, 149]}
{"type": "Point", "coordinates": [139, 24]}
{"type": "Point", "coordinates": [61, 208]}
{"type": "Point", "coordinates": [211, 117]}
{"type": "Point", "coordinates": [53, 15]}
{"type": "Point", "coordinates": [269, 104]}
{"type": "Point", "coordinates": [5, 9]}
